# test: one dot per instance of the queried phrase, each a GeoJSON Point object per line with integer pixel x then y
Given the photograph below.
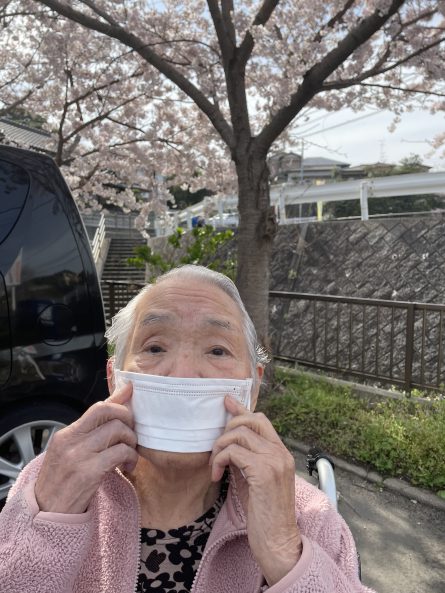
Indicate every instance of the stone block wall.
{"type": "Point", "coordinates": [394, 258]}
{"type": "Point", "coordinates": [397, 259]}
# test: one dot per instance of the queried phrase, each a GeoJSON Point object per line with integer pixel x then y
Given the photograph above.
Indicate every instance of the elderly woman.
{"type": "Point", "coordinates": [125, 500]}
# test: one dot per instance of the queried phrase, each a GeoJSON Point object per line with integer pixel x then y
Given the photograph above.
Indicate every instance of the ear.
{"type": "Point", "coordinates": [256, 391]}
{"type": "Point", "coordinates": [110, 374]}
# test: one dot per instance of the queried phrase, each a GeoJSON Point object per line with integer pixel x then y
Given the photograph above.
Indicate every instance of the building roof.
{"type": "Point", "coordinates": [323, 162]}
{"type": "Point", "coordinates": [280, 155]}
{"type": "Point", "coordinates": [26, 136]}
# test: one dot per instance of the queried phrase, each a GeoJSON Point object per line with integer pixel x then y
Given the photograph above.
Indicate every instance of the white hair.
{"type": "Point", "coordinates": [122, 323]}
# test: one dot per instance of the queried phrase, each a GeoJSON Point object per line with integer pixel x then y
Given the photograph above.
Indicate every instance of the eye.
{"type": "Point", "coordinates": [154, 349]}
{"type": "Point", "coordinates": [218, 351]}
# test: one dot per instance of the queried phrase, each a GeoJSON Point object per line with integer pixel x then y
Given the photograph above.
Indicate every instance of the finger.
{"type": "Point", "coordinates": [235, 407]}
{"type": "Point", "coordinates": [109, 434]}
{"type": "Point", "coordinates": [243, 436]}
{"type": "Point", "coordinates": [120, 454]}
{"type": "Point", "coordinates": [257, 422]}
{"type": "Point", "coordinates": [123, 395]}
{"type": "Point", "coordinates": [102, 412]}
{"type": "Point", "coordinates": [235, 455]}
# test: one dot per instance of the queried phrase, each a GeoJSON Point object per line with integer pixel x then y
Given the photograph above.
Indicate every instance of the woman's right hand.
{"type": "Point", "coordinates": [79, 456]}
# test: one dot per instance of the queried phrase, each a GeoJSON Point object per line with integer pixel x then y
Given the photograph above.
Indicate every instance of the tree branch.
{"type": "Point", "coordinates": [426, 14]}
{"type": "Point", "coordinates": [16, 103]}
{"type": "Point", "coordinates": [100, 117]}
{"type": "Point", "coordinates": [104, 86]}
{"type": "Point", "coordinates": [225, 40]}
{"type": "Point", "coordinates": [337, 18]}
{"type": "Point", "coordinates": [263, 15]}
{"type": "Point", "coordinates": [403, 89]}
{"type": "Point", "coordinates": [104, 15]}
{"type": "Point", "coordinates": [131, 40]}
{"type": "Point", "coordinates": [226, 9]}
{"type": "Point", "coordinates": [315, 77]}
{"type": "Point", "coordinates": [377, 69]}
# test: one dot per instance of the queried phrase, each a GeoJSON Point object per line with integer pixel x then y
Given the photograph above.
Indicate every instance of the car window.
{"type": "Point", "coordinates": [14, 186]}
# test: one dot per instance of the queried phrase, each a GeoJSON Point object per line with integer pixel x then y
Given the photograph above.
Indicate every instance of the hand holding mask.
{"type": "Point", "coordinates": [183, 415]}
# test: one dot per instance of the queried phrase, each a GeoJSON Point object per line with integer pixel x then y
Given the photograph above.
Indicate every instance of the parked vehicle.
{"type": "Point", "coordinates": [52, 348]}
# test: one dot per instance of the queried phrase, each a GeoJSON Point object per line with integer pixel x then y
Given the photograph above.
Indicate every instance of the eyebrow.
{"type": "Point", "coordinates": [156, 318]}
{"type": "Point", "coordinates": [219, 323]}
{"type": "Point", "coordinates": [152, 318]}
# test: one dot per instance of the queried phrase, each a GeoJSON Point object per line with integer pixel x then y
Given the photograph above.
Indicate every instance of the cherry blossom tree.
{"type": "Point", "coordinates": [236, 75]}
{"type": "Point", "coordinates": [96, 102]}
{"type": "Point", "coordinates": [90, 97]}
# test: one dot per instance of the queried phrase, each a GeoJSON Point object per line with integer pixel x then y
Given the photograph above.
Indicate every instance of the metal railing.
{"type": "Point", "coordinates": [113, 220]}
{"type": "Point", "coordinates": [116, 295]}
{"type": "Point", "coordinates": [393, 342]}
{"type": "Point", "coordinates": [219, 210]}
{"type": "Point", "coordinates": [98, 239]}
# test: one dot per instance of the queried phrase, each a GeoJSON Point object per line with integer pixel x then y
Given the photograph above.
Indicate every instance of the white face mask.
{"type": "Point", "coordinates": [181, 415]}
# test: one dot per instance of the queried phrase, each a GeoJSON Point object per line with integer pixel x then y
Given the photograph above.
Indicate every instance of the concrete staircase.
{"type": "Point", "coordinates": [117, 269]}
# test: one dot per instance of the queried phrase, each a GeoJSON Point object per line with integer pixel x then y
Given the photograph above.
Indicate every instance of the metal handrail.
{"type": "Point", "coordinates": [98, 240]}
{"type": "Point", "coordinates": [418, 358]}
{"type": "Point", "coordinates": [286, 194]}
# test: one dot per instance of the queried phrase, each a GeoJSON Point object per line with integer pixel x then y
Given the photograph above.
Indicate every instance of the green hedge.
{"type": "Point", "coordinates": [399, 438]}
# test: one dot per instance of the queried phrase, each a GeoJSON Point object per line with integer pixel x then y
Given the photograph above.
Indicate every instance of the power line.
{"type": "Point", "coordinates": [345, 123]}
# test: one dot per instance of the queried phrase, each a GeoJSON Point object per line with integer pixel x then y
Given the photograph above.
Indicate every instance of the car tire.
{"type": "Point", "coordinates": [24, 434]}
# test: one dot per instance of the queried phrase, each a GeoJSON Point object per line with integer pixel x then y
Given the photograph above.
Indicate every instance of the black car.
{"type": "Point", "coordinates": [52, 348]}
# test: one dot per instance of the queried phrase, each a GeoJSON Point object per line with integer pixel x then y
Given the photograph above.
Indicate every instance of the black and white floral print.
{"type": "Point", "coordinates": [169, 560]}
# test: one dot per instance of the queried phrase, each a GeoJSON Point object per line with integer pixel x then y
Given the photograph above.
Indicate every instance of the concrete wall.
{"type": "Point", "coordinates": [393, 259]}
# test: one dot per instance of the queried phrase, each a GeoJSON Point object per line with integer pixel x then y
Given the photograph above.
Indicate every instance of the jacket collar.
{"type": "Point", "coordinates": [237, 499]}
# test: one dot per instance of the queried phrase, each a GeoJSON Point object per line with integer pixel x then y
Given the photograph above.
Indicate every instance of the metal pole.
{"type": "Point", "coordinates": [409, 351]}
{"type": "Point", "coordinates": [364, 200]}
{"type": "Point", "coordinates": [111, 298]}
{"type": "Point", "coordinates": [301, 162]}
{"type": "Point", "coordinates": [326, 479]}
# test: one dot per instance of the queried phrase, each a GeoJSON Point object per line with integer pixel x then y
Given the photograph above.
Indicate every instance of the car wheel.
{"type": "Point", "coordinates": [24, 434]}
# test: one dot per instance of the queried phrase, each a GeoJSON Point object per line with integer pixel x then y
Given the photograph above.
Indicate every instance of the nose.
{"type": "Point", "coordinates": [187, 365]}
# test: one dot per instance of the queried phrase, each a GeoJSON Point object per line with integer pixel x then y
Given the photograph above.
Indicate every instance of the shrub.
{"type": "Point", "coordinates": [202, 248]}
{"type": "Point", "coordinates": [399, 438]}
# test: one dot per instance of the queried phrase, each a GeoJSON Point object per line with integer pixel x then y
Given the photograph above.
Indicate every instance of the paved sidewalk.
{"type": "Point", "coordinates": [401, 543]}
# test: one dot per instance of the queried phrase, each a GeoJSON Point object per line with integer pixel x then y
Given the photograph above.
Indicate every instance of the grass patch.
{"type": "Point", "coordinates": [399, 438]}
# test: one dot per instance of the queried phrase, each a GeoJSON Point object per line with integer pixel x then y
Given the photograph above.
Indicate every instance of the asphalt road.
{"type": "Point", "coordinates": [401, 543]}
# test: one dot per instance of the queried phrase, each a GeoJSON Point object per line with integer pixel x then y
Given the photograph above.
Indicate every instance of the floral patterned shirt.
{"type": "Point", "coordinates": [169, 560]}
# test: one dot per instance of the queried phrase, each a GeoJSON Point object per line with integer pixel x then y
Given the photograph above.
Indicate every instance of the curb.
{"type": "Point", "coordinates": [393, 484]}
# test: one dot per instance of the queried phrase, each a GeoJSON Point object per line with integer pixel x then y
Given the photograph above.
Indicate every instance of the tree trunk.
{"type": "Point", "coordinates": [257, 229]}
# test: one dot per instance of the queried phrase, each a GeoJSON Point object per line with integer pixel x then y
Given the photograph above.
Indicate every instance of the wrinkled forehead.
{"type": "Point", "coordinates": [196, 300]}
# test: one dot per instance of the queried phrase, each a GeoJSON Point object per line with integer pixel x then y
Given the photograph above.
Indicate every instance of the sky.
{"type": "Point", "coordinates": [359, 138]}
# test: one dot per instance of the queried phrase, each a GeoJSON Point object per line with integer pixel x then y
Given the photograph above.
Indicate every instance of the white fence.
{"type": "Point", "coordinates": [112, 220]}
{"type": "Point", "coordinates": [222, 210]}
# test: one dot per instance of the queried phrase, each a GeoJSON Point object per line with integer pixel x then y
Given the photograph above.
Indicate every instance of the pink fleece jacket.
{"type": "Point", "coordinates": [98, 551]}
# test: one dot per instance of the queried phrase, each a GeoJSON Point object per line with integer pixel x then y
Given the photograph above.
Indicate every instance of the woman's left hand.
{"type": "Point", "coordinates": [251, 444]}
